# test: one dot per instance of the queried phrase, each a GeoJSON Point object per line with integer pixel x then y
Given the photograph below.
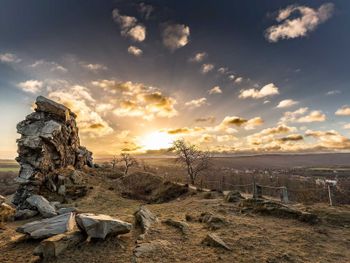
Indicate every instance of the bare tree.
{"type": "Point", "coordinates": [114, 162]}
{"type": "Point", "coordinates": [128, 161]}
{"type": "Point", "coordinates": [191, 158]}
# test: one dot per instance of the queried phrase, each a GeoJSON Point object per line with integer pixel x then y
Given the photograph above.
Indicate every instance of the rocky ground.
{"type": "Point", "coordinates": [249, 237]}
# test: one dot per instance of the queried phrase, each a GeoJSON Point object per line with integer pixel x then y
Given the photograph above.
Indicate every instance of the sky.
{"type": "Point", "coordinates": [257, 76]}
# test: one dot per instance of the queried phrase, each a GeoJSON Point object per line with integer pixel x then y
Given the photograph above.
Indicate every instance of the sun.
{"type": "Point", "coordinates": [156, 140]}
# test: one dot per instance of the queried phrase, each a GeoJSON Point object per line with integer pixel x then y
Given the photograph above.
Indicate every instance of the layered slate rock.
{"type": "Point", "coordinates": [144, 218]}
{"type": "Point", "coordinates": [213, 240]}
{"type": "Point", "coordinates": [49, 141]}
{"type": "Point", "coordinates": [44, 207]}
{"type": "Point", "coordinates": [49, 227]}
{"type": "Point", "coordinates": [99, 226]}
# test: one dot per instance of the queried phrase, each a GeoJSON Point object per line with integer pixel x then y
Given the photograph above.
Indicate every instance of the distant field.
{"type": "Point", "coordinates": [9, 169]}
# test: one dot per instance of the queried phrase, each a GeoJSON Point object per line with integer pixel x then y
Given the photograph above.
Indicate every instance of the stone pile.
{"type": "Point", "coordinates": [49, 141]}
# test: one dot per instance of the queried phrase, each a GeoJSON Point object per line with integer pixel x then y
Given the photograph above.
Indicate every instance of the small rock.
{"type": "Point", "coordinates": [153, 246]}
{"type": "Point", "coordinates": [99, 226]}
{"type": "Point", "coordinates": [144, 218]}
{"type": "Point", "coordinates": [25, 214]}
{"type": "Point", "coordinates": [178, 224]}
{"type": "Point", "coordinates": [43, 206]}
{"type": "Point", "coordinates": [213, 240]}
{"type": "Point", "coordinates": [233, 197]}
{"type": "Point", "coordinates": [49, 227]}
{"type": "Point", "coordinates": [213, 222]}
{"type": "Point", "coordinates": [190, 218]}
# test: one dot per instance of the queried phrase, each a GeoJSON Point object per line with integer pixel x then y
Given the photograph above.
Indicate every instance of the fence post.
{"type": "Point", "coordinates": [254, 188]}
{"type": "Point", "coordinates": [330, 195]}
{"type": "Point", "coordinates": [284, 195]}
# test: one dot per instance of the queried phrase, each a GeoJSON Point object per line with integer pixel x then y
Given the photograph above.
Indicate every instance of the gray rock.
{"type": "Point", "coordinates": [25, 214]}
{"type": "Point", "coordinates": [233, 197]}
{"type": "Point", "coordinates": [49, 227]}
{"type": "Point", "coordinates": [213, 222]}
{"type": "Point", "coordinates": [184, 228]}
{"type": "Point", "coordinates": [45, 105]}
{"type": "Point", "coordinates": [213, 240]}
{"type": "Point", "coordinates": [43, 206]}
{"type": "Point", "coordinates": [150, 247]}
{"type": "Point", "coordinates": [99, 226]}
{"type": "Point", "coordinates": [144, 218]}
{"type": "Point", "coordinates": [65, 210]}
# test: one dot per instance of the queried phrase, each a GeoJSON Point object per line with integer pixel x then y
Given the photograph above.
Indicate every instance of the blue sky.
{"type": "Point", "coordinates": [152, 69]}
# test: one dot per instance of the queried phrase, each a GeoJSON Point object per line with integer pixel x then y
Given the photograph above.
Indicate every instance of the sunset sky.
{"type": "Point", "coordinates": [245, 76]}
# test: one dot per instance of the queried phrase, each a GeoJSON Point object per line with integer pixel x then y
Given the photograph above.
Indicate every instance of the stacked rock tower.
{"type": "Point", "coordinates": [49, 141]}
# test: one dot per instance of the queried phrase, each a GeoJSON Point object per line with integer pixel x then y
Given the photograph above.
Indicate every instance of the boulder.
{"type": "Point", "coordinates": [233, 197]}
{"type": "Point", "coordinates": [182, 226]}
{"type": "Point", "coordinates": [49, 141]}
{"type": "Point", "coordinates": [99, 226]}
{"type": "Point", "coordinates": [214, 240]}
{"type": "Point", "coordinates": [25, 214]}
{"type": "Point", "coordinates": [44, 207]}
{"type": "Point", "coordinates": [144, 218]}
{"type": "Point", "coordinates": [54, 246]}
{"type": "Point", "coordinates": [49, 227]}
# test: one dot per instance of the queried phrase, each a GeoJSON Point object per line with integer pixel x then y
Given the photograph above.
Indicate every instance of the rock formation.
{"type": "Point", "coordinates": [49, 141]}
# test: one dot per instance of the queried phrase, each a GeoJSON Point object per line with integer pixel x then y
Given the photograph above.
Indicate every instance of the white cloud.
{"type": "Point", "coordinates": [31, 86]}
{"type": "Point", "coordinates": [266, 91]}
{"type": "Point", "coordinates": [215, 90]}
{"type": "Point", "coordinates": [286, 103]}
{"type": "Point", "coordinates": [239, 80]}
{"type": "Point", "coordinates": [51, 65]}
{"type": "Point", "coordinates": [196, 103]}
{"type": "Point", "coordinates": [199, 57]}
{"type": "Point", "coordinates": [207, 68]}
{"type": "Point", "coordinates": [135, 51]}
{"type": "Point", "coordinates": [291, 27]}
{"type": "Point", "coordinates": [9, 58]}
{"type": "Point", "coordinates": [346, 126]}
{"type": "Point", "coordinates": [94, 67]}
{"type": "Point", "coordinates": [175, 36]}
{"type": "Point", "coordinates": [333, 92]}
{"type": "Point", "coordinates": [303, 115]}
{"type": "Point", "coordinates": [343, 111]}
{"type": "Point", "coordinates": [129, 26]}
{"type": "Point", "coordinates": [223, 70]}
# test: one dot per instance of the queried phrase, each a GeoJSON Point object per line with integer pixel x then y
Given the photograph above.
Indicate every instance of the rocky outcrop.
{"type": "Point", "coordinates": [49, 227]}
{"type": "Point", "coordinates": [99, 226]}
{"type": "Point", "coordinates": [49, 141]}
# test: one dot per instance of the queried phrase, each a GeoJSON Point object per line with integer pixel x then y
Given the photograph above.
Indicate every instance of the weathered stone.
{"type": "Point", "coordinates": [144, 218]}
{"type": "Point", "coordinates": [99, 226]}
{"type": "Point", "coordinates": [153, 246]}
{"type": "Point", "coordinates": [44, 207]}
{"type": "Point", "coordinates": [213, 222]}
{"type": "Point", "coordinates": [184, 228]}
{"type": "Point", "coordinates": [233, 197]}
{"type": "Point", "coordinates": [49, 227]}
{"type": "Point", "coordinates": [49, 141]}
{"type": "Point", "coordinates": [54, 246]}
{"type": "Point", "coordinates": [65, 210]}
{"type": "Point", "coordinates": [213, 240]}
{"type": "Point", "coordinates": [25, 214]}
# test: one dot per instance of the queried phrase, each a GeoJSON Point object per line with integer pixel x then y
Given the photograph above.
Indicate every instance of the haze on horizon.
{"type": "Point", "coordinates": [231, 76]}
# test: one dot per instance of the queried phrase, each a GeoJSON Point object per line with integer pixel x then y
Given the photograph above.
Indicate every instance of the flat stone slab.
{"type": "Point", "coordinates": [99, 226]}
{"type": "Point", "coordinates": [44, 207]}
{"type": "Point", "coordinates": [214, 240]}
{"type": "Point", "coordinates": [25, 214]}
{"type": "Point", "coordinates": [49, 227]}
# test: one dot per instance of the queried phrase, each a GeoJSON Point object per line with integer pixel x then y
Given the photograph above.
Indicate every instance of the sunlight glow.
{"type": "Point", "coordinates": [156, 140]}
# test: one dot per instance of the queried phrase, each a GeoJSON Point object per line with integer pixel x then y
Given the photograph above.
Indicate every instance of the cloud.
{"type": "Point", "coordinates": [330, 139]}
{"type": "Point", "coordinates": [215, 90]}
{"type": "Point", "coordinates": [94, 67]}
{"type": "Point", "coordinates": [196, 103]}
{"type": "Point", "coordinates": [266, 91]}
{"type": "Point", "coordinates": [233, 120]}
{"type": "Point", "coordinates": [198, 57]}
{"type": "Point", "coordinates": [303, 115]}
{"type": "Point", "coordinates": [346, 126]}
{"type": "Point", "coordinates": [175, 36]}
{"type": "Point", "coordinates": [51, 65]}
{"type": "Point", "coordinates": [129, 26]}
{"type": "Point", "coordinates": [207, 68]}
{"type": "Point", "coordinates": [253, 123]}
{"type": "Point", "coordinates": [343, 111]}
{"type": "Point", "coordinates": [286, 103]}
{"type": "Point", "coordinates": [238, 80]}
{"type": "Point", "coordinates": [145, 10]}
{"type": "Point", "coordinates": [135, 51]}
{"type": "Point", "coordinates": [223, 70]}
{"type": "Point", "coordinates": [292, 27]}
{"type": "Point", "coordinates": [292, 138]}
{"type": "Point", "coordinates": [280, 129]}
{"type": "Point", "coordinates": [31, 86]}
{"type": "Point", "coordinates": [9, 58]}
{"type": "Point", "coordinates": [333, 92]}
{"type": "Point", "coordinates": [248, 124]}
{"type": "Point", "coordinates": [210, 119]}
{"type": "Point", "coordinates": [138, 100]}
{"type": "Point", "coordinates": [185, 130]}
